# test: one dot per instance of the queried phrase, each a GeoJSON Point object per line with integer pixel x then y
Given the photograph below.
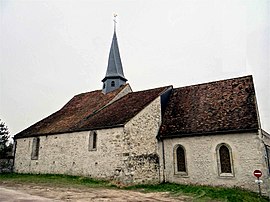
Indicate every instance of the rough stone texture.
{"type": "Point", "coordinates": [141, 159]}
{"type": "Point", "coordinates": [248, 154]}
{"type": "Point", "coordinates": [68, 154]}
{"type": "Point", "coordinates": [127, 154]}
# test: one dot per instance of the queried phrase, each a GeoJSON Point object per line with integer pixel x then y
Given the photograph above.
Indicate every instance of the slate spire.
{"type": "Point", "coordinates": [114, 77]}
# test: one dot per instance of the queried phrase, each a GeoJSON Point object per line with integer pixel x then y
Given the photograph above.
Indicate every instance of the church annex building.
{"type": "Point", "coordinates": [206, 134]}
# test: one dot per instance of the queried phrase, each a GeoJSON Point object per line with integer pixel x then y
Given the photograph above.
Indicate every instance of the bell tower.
{"type": "Point", "coordinates": [114, 77]}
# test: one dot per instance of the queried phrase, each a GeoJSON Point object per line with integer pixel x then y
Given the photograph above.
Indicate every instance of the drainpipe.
{"type": "Point", "coordinates": [163, 158]}
{"type": "Point", "coordinates": [14, 153]}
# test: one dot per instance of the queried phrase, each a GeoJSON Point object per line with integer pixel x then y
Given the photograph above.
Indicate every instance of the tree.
{"type": "Point", "coordinates": [5, 146]}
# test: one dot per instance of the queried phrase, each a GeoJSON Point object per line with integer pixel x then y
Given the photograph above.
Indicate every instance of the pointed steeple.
{"type": "Point", "coordinates": [114, 77]}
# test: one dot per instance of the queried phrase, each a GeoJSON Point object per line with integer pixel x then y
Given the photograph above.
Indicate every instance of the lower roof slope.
{"type": "Point", "coordinates": [221, 106]}
{"type": "Point", "coordinates": [79, 107]}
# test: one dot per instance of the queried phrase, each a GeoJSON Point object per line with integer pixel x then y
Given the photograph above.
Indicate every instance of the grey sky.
{"type": "Point", "coordinates": [53, 50]}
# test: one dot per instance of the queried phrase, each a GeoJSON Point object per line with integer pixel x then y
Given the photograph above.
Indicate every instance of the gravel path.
{"type": "Point", "coordinates": [11, 192]}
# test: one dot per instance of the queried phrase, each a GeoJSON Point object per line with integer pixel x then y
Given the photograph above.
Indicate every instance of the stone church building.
{"type": "Point", "coordinates": [207, 134]}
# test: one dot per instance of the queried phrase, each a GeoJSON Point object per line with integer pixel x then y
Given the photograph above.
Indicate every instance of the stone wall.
{"type": "Point", "coordinates": [248, 154]}
{"type": "Point", "coordinates": [69, 154]}
{"type": "Point", "coordinates": [141, 160]}
{"type": "Point", "coordinates": [127, 154]}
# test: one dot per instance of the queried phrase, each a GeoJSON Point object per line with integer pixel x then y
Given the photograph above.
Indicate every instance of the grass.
{"type": "Point", "coordinates": [199, 193]}
{"type": "Point", "coordinates": [203, 193]}
{"type": "Point", "coordinates": [54, 180]}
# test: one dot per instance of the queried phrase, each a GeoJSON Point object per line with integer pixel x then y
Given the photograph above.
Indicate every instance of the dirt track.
{"type": "Point", "coordinates": [84, 194]}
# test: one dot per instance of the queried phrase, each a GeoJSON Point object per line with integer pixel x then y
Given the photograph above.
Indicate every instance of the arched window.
{"type": "Point", "coordinates": [112, 83]}
{"type": "Point", "coordinates": [180, 160]}
{"type": "Point", "coordinates": [225, 160]}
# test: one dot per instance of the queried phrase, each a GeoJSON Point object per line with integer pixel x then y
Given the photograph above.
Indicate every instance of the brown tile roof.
{"type": "Point", "coordinates": [89, 111]}
{"type": "Point", "coordinates": [121, 111]}
{"type": "Point", "coordinates": [79, 107]}
{"type": "Point", "coordinates": [220, 106]}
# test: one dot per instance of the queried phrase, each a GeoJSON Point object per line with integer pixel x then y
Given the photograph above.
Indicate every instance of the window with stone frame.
{"type": "Point", "coordinates": [92, 141]}
{"type": "Point", "coordinates": [267, 149]}
{"type": "Point", "coordinates": [180, 160]}
{"type": "Point", "coordinates": [35, 148]}
{"type": "Point", "coordinates": [225, 162]}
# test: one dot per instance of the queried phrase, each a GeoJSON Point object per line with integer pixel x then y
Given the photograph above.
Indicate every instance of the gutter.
{"type": "Point", "coordinates": [179, 135]}
{"type": "Point", "coordinates": [63, 132]}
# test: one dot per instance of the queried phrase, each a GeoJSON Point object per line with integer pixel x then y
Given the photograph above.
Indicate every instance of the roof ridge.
{"type": "Point", "coordinates": [153, 89]}
{"type": "Point", "coordinates": [212, 82]}
{"type": "Point", "coordinates": [86, 93]}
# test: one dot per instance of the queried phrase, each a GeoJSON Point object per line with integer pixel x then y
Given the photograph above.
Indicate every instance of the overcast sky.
{"type": "Point", "coordinates": [52, 50]}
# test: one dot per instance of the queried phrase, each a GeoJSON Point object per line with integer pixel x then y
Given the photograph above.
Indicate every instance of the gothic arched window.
{"type": "Point", "coordinates": [225, 160]}
{"type": "Point", "coordinates": [180, 159]}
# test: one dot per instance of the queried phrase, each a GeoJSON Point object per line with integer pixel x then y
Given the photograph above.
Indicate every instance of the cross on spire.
{"type": "Point", "coordinates": [114, 20]}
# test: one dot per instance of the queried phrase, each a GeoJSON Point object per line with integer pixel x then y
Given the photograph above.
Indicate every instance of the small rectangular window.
{"type": "Point", "coordinates": [113, 84]}
{"type": "Point", "coordinates": [92, 141]}
{"type": "Point", "coordinates": [35, 148]}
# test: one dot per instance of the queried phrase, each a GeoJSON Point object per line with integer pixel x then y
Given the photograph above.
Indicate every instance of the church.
{"type": "Point", "coordinates": [206, 134]}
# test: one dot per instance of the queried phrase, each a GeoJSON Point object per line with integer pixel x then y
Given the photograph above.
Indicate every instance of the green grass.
{"type": "Point", "coordinates": [54, 180]}
{"type": "Point", "coordinates": [203, 193]}
{"type": "Point", "coordinates": [199, 193]}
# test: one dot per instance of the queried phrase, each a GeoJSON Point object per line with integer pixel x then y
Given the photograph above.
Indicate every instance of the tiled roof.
{"type": "Point", "coordinates": [79, 107]}
{"type": "Point", "coordinates": [121, 111]}
{"type": "Point", "coordinates": [221, 106]}
{"type": "Point", "coordinates": [89, 111]}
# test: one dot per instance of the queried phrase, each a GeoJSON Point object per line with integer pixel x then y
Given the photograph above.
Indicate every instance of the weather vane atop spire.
{"type": "Point", "coordinates": [114, 20]}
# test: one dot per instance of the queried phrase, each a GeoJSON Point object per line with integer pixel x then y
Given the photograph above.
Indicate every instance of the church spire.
{"type": "Point", "coordinates": [114, 77]}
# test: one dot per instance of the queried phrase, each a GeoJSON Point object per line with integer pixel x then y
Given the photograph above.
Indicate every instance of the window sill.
{"type": "Point", "coordinates": [226, 175]}
{"type": "Point", "coordinates": [181, 174]}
